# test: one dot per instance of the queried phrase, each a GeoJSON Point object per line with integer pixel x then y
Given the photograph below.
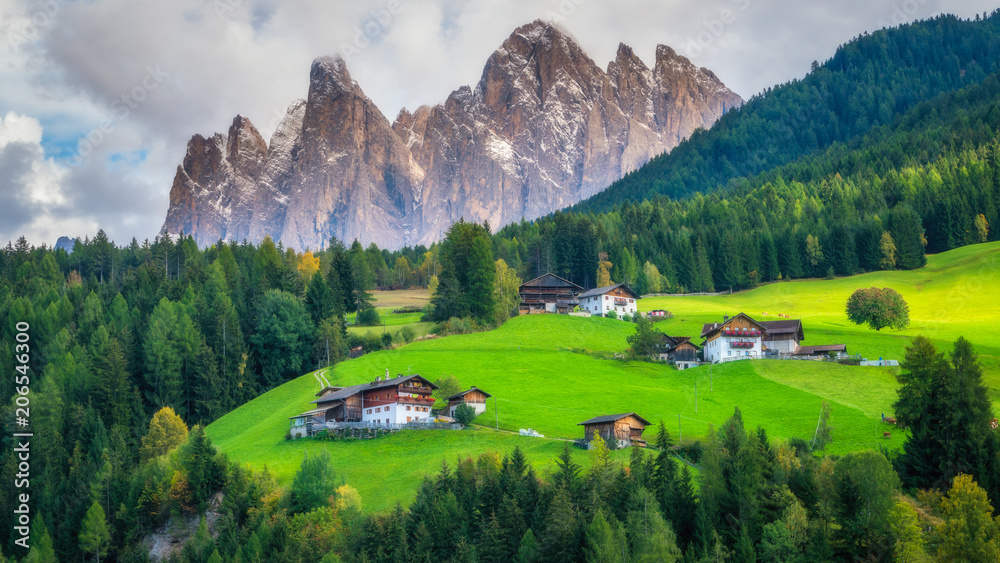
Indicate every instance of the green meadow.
{"type": "Point", "coordinates": [956, 294]}
{"type": "Point", "coordinates": [550, 372]}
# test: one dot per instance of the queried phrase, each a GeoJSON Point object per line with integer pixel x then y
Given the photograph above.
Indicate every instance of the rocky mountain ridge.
{"type": "Point", "coordinates": [542, 129]}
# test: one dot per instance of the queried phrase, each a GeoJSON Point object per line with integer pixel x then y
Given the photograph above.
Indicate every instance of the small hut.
{"type": "Point", "coordinates": [625, 428]}
{"type": "Point", "coordinates": [474, 397]}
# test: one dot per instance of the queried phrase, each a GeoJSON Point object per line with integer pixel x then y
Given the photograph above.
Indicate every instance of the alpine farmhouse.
{"type": "Point", "coordinates": [399, 400]}
{"type": "Point", "coordinates": [741, 337]}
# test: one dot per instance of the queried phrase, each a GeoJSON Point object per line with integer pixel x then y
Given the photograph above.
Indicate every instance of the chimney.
{"type": "Point", "coordinates": [387, 373]}
{"type": "Point", "coordinates": [725, 318]}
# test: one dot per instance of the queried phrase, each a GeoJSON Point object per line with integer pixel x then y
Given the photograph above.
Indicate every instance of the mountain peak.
{"type": "Point", "coordinates": [624, 52]}
{"type": "Point", "coordinates": [542, 129]}
{"type": "Point", "coordinates": [332, 72]}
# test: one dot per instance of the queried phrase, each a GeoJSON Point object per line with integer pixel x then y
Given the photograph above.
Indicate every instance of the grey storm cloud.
{"type": "Point", "coordinates": [123, 84]}
{"type": "Point", "coordinates": [16, 161]}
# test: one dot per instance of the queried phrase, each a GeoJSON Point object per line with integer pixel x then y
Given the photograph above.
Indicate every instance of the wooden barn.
{"type": "Point", "coordinates": [548, 294]}
{"type": "Point", "coordinates": [679, 350]}
{"type": "Point", "coordinates": [625, 428]}
{"type": "Point", "coordinates": [474, 397]}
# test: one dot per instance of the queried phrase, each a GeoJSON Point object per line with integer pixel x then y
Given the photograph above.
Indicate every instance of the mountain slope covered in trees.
{"type": "Point", "coordinates": [927, 181]}
{"type": "Point", "coordinates": [867, 83]}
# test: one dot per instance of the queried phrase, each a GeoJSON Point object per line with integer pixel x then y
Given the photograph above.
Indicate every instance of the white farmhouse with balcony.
{"type": "Point", "coordinates": [601, 301]}
{"type": "Point", "coordinates": [734, 338]}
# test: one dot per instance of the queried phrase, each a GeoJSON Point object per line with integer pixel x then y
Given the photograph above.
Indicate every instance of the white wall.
{"type": "Point", "coordinates": [719, 349]}
{"type": "Point", "coordinates": [394, 413]}
{"type": "Point", "coordinates": [480, 408]}
{"type": "Point", "coordinates": [598, 305]}
{"type": "Point", "coordinates": [783, 346]}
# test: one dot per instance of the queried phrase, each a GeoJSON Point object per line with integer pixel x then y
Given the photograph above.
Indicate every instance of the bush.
{"type": "Point", "coordinates": [627, 317]}
{"type": "Point", "coordinates": [464, 414]}
{"type": "Point", "coordinates": [612, 315]}
{"type": "Point", "coordinates": [368, 317]}
{"type": "Point", "coordinates": [407, 334]}
{"type": "Point", "coordinates": [691, 452]}
{"type": "Point", "coordinates": [455, 325]}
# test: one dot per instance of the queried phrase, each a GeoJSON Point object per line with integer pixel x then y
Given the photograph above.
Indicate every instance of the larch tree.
{"type": "Point", "coordinates": [94, 533]}
{"type": "Point", "coordinates": [969, 533]}
{"type": "Point", "coordinates": [506, 291]}
{"type": "Point", "coordinates": [166, 432]}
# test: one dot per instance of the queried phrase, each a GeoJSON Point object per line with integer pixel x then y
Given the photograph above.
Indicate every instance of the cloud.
{"type": "Point", "coordinates": [113, 79]}
{"type": "Point", "coordinates": [32, 200]}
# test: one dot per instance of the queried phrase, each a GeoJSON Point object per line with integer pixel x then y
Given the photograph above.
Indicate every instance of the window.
{"type": "Point", "coordinates": [730, 353]}
{"type": "Point", "coordinates": [407, 407]}
{"type": "Point", "coordinates": [369, 411]}
{"type": "Point", "coordinates": [408, 419]}
{"type": "Point", "coordinates": [377, 409]}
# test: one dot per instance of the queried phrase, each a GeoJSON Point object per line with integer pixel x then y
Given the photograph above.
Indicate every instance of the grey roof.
{"type": "Point", "coordinates": [810, 350]}
{"type": "Point", "coordinates": [682, 342]}
{"type": "Point", "coordinates": [314, 412]}
{"type": "Point", "coordinates": [550, 280]}
{"type": "Point", "coordinates": [788, 326]}
{"type": "Point", "coordinates": [612, 418]}
{"type": "Point", "coordinates": [466, 392]}
{"type": "Point", "coordinates": [354, 389]}
{"type": "Point", "coordinates": [605, 289]}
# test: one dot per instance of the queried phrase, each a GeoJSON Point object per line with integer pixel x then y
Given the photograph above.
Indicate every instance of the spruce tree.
{"type": "Point", "coordinates": [560, 540]}
{"type": "Point", "coordinates": [908, 234]}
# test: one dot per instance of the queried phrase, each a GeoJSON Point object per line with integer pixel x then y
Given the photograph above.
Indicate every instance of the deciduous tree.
{"type": "Point", "coordinates": [878, 308]}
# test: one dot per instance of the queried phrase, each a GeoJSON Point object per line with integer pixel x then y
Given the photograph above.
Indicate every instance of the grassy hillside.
{"type": "Point", "coordinates": [956, 294]}
{"type": "Point", "coordinates": [550, 372]}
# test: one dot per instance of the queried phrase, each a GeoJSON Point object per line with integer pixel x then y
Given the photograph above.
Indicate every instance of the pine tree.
{"type": "Point", "coordinates": [703, 270]}
{"type": "Point", "coordinates": [908, 234]}
{"type": "Point", "coordinates": [744, 552]}
{"type": "Point", "coordinates": [319, 299]}
{"type": "Point", "coordinates": [948, 412]}
{"type": "Point", "coordinates": [768, 258]}
{"type": "Point", "coordinates": [561, 538]}
{"type": "Point", "coordinates": [527, 551]}
{"type": "Point", "coordinates": [604, 541]}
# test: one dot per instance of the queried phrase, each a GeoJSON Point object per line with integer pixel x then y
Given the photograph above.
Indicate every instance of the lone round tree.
{"type": "Point", "coordinates": [878, 308]}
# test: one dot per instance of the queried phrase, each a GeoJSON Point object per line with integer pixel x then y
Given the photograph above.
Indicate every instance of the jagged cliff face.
{"type": "Point", "coordinates": [544, 128]}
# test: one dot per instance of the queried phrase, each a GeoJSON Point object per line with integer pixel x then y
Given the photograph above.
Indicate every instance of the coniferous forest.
{"type": "Point", "coordinates": [884, 153]}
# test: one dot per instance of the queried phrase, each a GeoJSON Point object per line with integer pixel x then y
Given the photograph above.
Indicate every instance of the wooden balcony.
{"type": "Point", "coordinates": [415, 389]}
{"type": "Point", "coordinates": [416, 400]}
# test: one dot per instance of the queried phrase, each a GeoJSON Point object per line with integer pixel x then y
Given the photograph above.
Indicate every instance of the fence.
{"type": "Point", "coordinates": [393, 426]}
{"type": "Point", "coordinates": [727, 292]}
{"type": "Point", "coordinates": [850, 359]}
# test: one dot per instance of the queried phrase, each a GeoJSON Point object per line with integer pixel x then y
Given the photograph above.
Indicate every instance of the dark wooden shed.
{"type": "Point", "coordinates": [625, 428]}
